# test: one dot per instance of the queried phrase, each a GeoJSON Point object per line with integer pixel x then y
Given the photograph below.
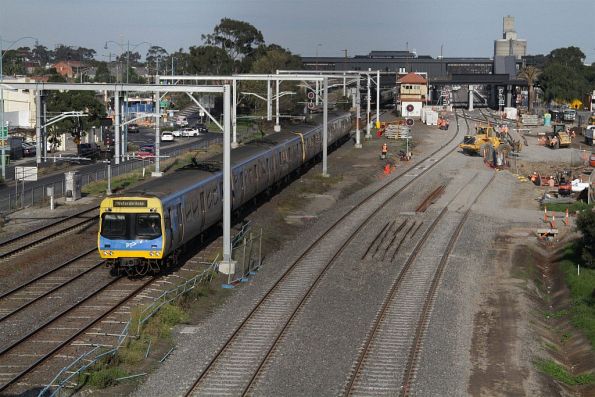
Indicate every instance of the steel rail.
{"type": "Point", "coordinates": [62, 344]}
{"type": "Point", "coordinates": [422, 323]}
{"type": "Point", "coordinates": [294, 265]}
{"type": "Point", "coordinates": [43, 238]}
{"type": "Point", "coordinates": [52, 290]}
{"type": "Point", "coordinates": [68, 262]}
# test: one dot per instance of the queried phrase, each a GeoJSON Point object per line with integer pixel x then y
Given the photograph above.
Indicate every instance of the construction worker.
{"type": "Point", "coordinates": [535, 179]}
{"type": "Point", "coordinates": [384, 151]}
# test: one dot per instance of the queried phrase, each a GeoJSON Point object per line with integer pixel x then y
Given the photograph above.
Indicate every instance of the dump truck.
{"type": "Point", "coordinates": [558, 137]}
{"type": "Point", "coordinates": [483, 143]}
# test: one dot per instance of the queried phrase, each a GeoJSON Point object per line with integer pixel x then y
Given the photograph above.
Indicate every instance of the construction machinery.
{"type": "Point", "coordinates": [558, 138]}
{"type": "Point", "coordinates": [484, 142]}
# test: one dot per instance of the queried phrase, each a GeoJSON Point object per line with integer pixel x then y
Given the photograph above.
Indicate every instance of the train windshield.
{"type": "Point", "coordinates": [114, 226]}
{"type": "Point", "coordinates": [131, 226]}
{"type": "Point", "coordinates": [148, 226]}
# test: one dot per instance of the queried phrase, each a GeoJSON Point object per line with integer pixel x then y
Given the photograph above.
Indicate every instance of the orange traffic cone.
{"type": "Point", "coordinates": [387, 169]}
{"type": "Point", "coordinates": [553, 222]}
{"type": "Point", "coordinates": [545, 214]}
{"type": "Point", "coordinates": [566, 220]}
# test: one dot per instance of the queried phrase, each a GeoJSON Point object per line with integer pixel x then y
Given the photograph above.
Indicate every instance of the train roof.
{"type": "Point", "coordinates": [211, 167]}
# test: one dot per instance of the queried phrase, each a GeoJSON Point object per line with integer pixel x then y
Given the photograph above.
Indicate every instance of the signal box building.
{"type": "Point", "coordinates": [412, 94]}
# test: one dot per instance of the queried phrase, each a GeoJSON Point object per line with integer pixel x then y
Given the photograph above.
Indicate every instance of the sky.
{"type": "Point", "coordinates": [463, 28]}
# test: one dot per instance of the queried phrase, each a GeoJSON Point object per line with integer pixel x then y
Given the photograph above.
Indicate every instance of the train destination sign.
{"type": "Point", "coordinates": [130, 203]}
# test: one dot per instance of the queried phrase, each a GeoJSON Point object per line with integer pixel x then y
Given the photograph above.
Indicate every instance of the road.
{"type": "Point", "coordinates": [34, 190]}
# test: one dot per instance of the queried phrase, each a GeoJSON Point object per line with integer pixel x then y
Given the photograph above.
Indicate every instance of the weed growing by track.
{"type": "Point", "coordinates": [118, 183]}
{"type": "Point", "coordinates": [148, 342]}
{"type": "Point", "coordinates": [572, 208]}
{"type": "Point", "coordinates": [559, 373]}
{"type": "Point", "coordinates": [582, 290]}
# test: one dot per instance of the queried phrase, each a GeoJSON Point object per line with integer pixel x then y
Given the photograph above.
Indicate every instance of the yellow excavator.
{"type": "Point", "coordinates": [484, 142]}
{"type": "Point", "coordinates": [558, 137]}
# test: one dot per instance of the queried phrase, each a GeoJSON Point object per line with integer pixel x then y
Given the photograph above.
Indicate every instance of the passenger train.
{"type": "Point", "coordinates": [145, 231]}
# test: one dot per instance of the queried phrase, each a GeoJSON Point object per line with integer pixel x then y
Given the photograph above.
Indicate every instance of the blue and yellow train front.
{"type": "Point", "coordinates": [131, 233]}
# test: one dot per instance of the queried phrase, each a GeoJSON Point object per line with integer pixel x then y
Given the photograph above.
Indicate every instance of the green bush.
{"type": "Point", "coordinates": [104, 377]}
{"type": "Point", "coordinates": [585, 223]}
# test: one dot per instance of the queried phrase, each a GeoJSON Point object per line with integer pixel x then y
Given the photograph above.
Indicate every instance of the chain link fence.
{"type": "Point", "coordinates": [37, 194]}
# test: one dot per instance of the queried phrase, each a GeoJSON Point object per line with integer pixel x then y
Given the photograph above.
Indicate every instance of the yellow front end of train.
{"type": "Point", "coordinates": [131, 231]}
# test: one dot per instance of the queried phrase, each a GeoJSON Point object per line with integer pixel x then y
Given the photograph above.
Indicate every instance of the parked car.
{"type": "Point", "coordinates": [146, 150]}
{"type": "Point", "coordinates": [190, 132]}
{"type": "Point", "coordinates": [89, 150]}
{"type": "Point", "coordinates": [29, 149]}
{"type": "Point", "coordinates": [202, 129]}
{"type": "Point", "coordinates": [133, 128]}
{"type": "Point", "coordinates": [167, 136]}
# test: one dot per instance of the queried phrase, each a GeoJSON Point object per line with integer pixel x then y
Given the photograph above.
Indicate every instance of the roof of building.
{"type": "Point", "coordinates": [412, 78]}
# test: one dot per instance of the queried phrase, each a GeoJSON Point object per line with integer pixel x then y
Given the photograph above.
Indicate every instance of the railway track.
{"type": "Point", "coordinates": [21, 356]}
{"type": "Point", "coordinates": [236, 365]}
{"type": "Point", "coordinates": [400, 325]}
{"type": "Point", "coordinates": [47, 232]}
{"type": "Point", "coordinates": [19, 298]}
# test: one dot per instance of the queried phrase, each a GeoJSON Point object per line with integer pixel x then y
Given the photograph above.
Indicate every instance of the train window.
{"type": "Point", "coordinates": [113, 225]}
{"type": "Point", "coordinates": [148, 226]}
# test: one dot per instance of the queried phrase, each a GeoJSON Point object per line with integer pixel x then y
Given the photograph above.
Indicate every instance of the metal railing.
{"type": "Point", "coordinates": [246, 251]}
{"type": "Point", "coordinates": [70, 376]}
{"type": "Point", "coordinates": [37, 194]}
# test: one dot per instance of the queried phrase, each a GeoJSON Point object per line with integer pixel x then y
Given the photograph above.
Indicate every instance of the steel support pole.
{"type": "Point", "coordinates": [324, 127]}
{"type": "Point", "coordinates": [344, 85]}
{"type": "Point", "coordinates": [470, 98]}
{"type": "Point", "coordinates": [124, 112]}
{"type": "Point", "coordinates": [38, 127]}
{"type": "Point", "coordinates": [45, 131]}
{"type": "Point", "coordinates": [3, 154]}
{"type": "Point", "coordinates": [368, 134]}
{"type": "Point", "coordinates": [227, 266]}
{"type": "Point", "coordinates": [109, 179]}
{"type": "Point", "coordinates": [117, 125]}
{"type": "Point", "coordinates": [378, 99]}
{"type": "Point", "coordinates": [317, 92]}
{"type": "Point", "coordinates": [234, 121]}
{"type": "Point", "coordinates": [358, 103]}
{"type": "Point", "coordinates": [157, 171]}
{"type": "Point", "coordinates": [277, 125]}
{"type": "Point", "coordinates": [269, 103]}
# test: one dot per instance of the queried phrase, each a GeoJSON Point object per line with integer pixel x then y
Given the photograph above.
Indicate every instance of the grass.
{"type": "Point", "coordinates": [559, 373]}
{"type": "Point", "coordinates": [572, 208]}
{"type": "Point", "coordinates": [118, 183]}
{"type": "Point", "coordinates": [102, 375]}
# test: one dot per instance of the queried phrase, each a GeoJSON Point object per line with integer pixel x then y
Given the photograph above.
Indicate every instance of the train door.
{"type": "Point", "coordinates": [180, 222]}
{"type": "Point", "coordinates": [168, 230]}
{"type": "Point", "coordinates": [201, 209]}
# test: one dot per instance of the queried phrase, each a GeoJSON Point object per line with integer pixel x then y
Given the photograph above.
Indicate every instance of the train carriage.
{"type": "Point", "coordinates": [145, 231]}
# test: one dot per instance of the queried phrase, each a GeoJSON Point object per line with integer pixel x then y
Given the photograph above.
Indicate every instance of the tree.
{"type": "Point", "coordinates": [565, 77]}
{"type": "Point", "coordinates": [209, 60]}
{"type": "Point", "coordinates": [156, 57]}
{"type": "Point", "coordinates": [236, 38]}
{"type": "Point", "coordinates": [41, 55]}
{"type": "Point", "coordinates": [67, 101]}
{"type": "Point", "coordinates": [585, 223]}
{"type": "Point", "coordinates": [102, 74]}
{"type": "Point", "coordinates": [530, 75]}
